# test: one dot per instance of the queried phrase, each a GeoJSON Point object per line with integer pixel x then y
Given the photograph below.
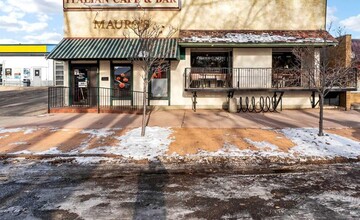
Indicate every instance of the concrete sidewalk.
{"type": "Point", "coordinates": [189, 119]}
{"type": "Point", "coordinates": [184, 136]}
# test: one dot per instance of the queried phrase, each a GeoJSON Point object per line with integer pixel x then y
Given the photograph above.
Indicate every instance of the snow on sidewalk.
{"type": "Point", "coordinates": [155, 143]}
{"type": "Point", "coordinates": [157, 140]}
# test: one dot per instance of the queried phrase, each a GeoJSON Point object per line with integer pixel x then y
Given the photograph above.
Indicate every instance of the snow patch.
{"type": "Point", "coordinates": [228, 188]}
{"type": "Point", "coordinates": [5, 136]}
{"type": "Point", "coordinates": [53, 150]}
{"type": "Point", "coordinates": [29, 130]}
{"type": "Point", "coordinates": [10, 130]}
{"type": "Point", "coordinates": [309, 144]}
{"type": "Point", "coordinates": [13, 209]}
{"type": "Point", "coordinates": [22, 152]}
{"type": "Point", "coordinates": [155, 143]}
{"type": "Point", "coordinates": [233, 151]}
{"type": "Point", "coordinates": [263, 145]}
{"type": "Point", "coordinates": [337, 202]}
{"type": "Point", "coordinates": [19, 143]}
{"type": "Point", "coordinates": [93, 133]}
{"type": "Point", "coordinates": [251, 38]}
{"type": "Point", "coordinates": [91, 160]}
{"type": "Point", "coordinates": [98, 132]}
{"type": "Point", "coordinates": [16, 130]}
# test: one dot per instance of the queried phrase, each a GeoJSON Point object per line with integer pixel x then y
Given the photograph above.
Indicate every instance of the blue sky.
{"type": "Point", "coordinates": [345, 14]}
{"type": "Point", "coordinates": [40, 21]}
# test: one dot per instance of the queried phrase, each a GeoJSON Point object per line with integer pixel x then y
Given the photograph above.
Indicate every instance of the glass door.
{"type": "Point", "coordinates": [1, 68]}
{"type": "Point", "coordinates": [159, 82]}
{"type": "Point", "coordinates": [84, 85]}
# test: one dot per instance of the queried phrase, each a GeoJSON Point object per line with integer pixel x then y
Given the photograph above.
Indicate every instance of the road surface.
{"type": "Point", "coordinates": [33, 190]}
{"type": "Point", "coordinates": [20, 101]}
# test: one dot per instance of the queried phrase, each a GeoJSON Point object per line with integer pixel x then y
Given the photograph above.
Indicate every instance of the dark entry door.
{"type": "Point", "coordinates": [84, 85]}
{"type": "Point", "coordinates": [1, 74]}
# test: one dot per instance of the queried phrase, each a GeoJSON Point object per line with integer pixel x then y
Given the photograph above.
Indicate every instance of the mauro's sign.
{"type": "Point", "coordinates": [121, 4]}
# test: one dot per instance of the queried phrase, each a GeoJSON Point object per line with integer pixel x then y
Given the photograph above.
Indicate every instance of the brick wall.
{"type": "Point", "coordinates": [341, 54]}
{"type": "Point", "coordinates": [348, 98]}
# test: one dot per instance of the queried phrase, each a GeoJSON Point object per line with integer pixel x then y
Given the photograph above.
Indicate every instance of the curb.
{"type": "Point", "coordinates": [241, 165]}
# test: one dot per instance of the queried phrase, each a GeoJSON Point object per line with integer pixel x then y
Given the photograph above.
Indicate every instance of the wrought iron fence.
{"type": "Point", "coordinates": [99, 98]}
{"type": "Point", "coordinates": [261, 78]}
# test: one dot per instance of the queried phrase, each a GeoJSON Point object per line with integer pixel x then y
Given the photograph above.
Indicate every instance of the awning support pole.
{"type": "Point", "coordinates": [194, 101]}
{"type": "Point", "coordinates": [313, 103]}
{"type": "Point", "coordinates": [278, 101]}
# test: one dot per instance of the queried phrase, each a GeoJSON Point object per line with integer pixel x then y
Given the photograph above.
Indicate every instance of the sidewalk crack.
{"type": "Point", "coordinates": [183, 120]}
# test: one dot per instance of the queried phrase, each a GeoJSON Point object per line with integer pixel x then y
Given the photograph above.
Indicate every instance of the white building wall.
{"type": "Point", "coordinates": [242, 58]}
{"type": "Point", "coordinates": [290, 99]}
{"type": "Point", "coordinates": [252, 58]}
{"type": "Point", "coordinates": [104, 71]}
{"type": "Point", "coordinates": [19, 63]}
{"type": "Point", "coordinates": [182, 99]}
{"type": "Point", "coordinates": [204, 15]}
{"type": "Point", "coordinates": [178, 95]}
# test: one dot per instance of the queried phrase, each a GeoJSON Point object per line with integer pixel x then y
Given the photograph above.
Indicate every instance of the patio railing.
{"type": "Point", "coordinates": [259, 78]}
{"type": "Point", "coordinates": [101, 99]}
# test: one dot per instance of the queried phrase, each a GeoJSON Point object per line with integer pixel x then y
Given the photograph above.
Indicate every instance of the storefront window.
{"type": "Point", "coordinates": [26, 72]}
{"type": "Point", "coordinates": [159, 81]}
{"type": "Point", "coordinates": [8, 72]}
{"type": "Point", "coordinates": [59, 73]}
{"type": "Point", "coordinates": [286, 60]}
{"type": "Point", "coordinates": [17, 73]}
{"type": "Point", "coordinates": [122, 81]}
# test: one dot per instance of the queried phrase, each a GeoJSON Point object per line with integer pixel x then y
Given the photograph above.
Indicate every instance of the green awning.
{"type": "Point", "coordinates": [113, 48]}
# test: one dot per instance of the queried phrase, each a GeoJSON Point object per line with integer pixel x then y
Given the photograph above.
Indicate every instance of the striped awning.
{"type": "Point", "coordinates": [113, 48]}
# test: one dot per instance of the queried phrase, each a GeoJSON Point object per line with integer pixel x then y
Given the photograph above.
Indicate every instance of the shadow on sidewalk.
{"type": "Point", "coordinates": [150, 199]}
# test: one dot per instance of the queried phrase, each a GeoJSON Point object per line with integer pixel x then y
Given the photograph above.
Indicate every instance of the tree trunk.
{"type": "Point", "coordinates": [321, 118]}
{"type": "Point", "coordinates": [143, 123]}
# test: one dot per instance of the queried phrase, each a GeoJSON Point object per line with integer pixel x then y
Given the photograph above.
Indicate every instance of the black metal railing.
{"type": "Point", "coordinates": [98, 98]}
{"type": "Point", "coordinates": [261, 78]}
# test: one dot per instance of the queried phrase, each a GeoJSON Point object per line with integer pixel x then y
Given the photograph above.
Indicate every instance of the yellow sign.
{"type": "Point", "coordinates": [23, 48]}
{"type": "Point", "coordinates": [121, 4]}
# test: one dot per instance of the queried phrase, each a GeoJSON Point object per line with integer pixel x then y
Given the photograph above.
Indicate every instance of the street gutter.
{"type": "Point", "coordinates": [203, 165]}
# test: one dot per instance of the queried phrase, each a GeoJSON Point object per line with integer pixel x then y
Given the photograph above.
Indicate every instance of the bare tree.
{"type": "Point", "coordinates": [149, 52]}
{"type": "Point", "coordinates": [325, 69]}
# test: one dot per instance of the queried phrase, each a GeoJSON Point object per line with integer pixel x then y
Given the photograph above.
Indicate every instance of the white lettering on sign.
{"type": "Point", "coordinates": [104, 4]}
{"type": "Point", "coordinates": [82, 84]}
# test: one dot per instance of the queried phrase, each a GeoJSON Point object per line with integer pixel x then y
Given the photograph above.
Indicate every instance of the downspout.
{"type": "Point", "coordinates": [326, 3]}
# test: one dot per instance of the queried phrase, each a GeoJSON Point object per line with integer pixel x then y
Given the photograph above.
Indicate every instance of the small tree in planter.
{"type": "Point", "coordinates": [324, 71]}
{"type": "Point", "coordinates": [148, 51]}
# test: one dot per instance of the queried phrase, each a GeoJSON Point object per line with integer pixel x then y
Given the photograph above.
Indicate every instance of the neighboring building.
{"type": "Point", "coordinates": [346, 54]}
{"type": "Point", "coordinates": [24, 62]}
{"type": "Point", "coordinates": [222, 49]}
{"type": "Point", "coordinates": [353, 97]}
{"type": "Point", "coordinates": [355, 52]}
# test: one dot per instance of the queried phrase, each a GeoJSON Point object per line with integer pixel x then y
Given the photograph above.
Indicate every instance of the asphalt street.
{"type": "Point", "coordinates": [23, 101]}
{"type": "Point", "coordinates": [45, 189]}
{"type": "Point", "coordinates": [33, 190]}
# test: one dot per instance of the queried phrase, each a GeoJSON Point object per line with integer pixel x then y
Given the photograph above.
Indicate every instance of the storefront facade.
{"type": "Point", "coordinates": [28, 62]}
{"type": "Point", "coordinates": [221, 49]}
